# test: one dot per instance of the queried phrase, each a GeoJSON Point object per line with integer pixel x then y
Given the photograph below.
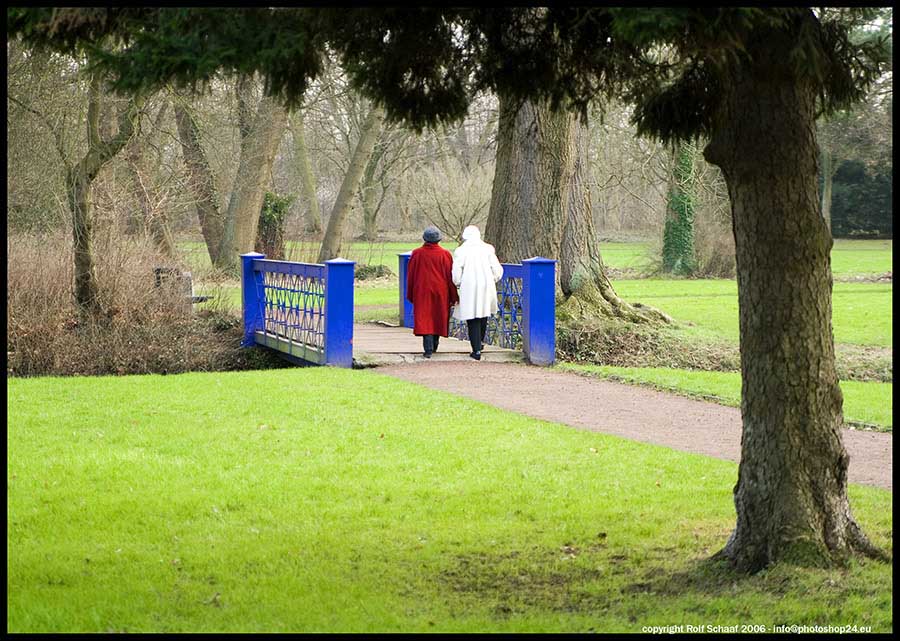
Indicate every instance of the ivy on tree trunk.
{"type": "Point", "coordinates": [270, 231]}
{"type": "Point", "coordinates": [678, 233]}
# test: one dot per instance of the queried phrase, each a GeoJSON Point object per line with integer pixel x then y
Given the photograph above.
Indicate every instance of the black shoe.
{"type": "Point", "coordinates": [475, 355]}
{"type": "Point", "coordinates": [427, 354]}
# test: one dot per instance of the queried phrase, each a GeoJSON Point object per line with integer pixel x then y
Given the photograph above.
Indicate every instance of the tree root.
{"type": "Point", "coordinates": [598, 300]}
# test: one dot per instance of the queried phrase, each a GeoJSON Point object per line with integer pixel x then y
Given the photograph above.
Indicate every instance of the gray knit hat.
{"type": "Point", "coordinates": [431, 235]}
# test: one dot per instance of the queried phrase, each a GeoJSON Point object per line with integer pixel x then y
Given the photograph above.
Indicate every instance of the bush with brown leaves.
{"type": "Point", "coordinates": [145, 328]}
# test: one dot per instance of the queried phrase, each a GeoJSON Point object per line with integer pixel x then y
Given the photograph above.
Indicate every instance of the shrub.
{"type": "Point", "coordinates": [270, 230]}
{"type": "Point", "coordinates": [369, 272]}
{"type": "Point", "coordinates": [609, 342]}
{"type": "Point", "coordinates": [714, 249]}
{"type": "Point", "coordinates": [147, 329]}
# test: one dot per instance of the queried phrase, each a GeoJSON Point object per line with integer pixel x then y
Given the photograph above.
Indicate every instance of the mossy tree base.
{"type": "Point", "coordinates": [594, 298]}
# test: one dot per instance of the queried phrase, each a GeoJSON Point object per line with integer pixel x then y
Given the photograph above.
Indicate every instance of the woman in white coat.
{"type": "Point", "coordinates": [476, 271]}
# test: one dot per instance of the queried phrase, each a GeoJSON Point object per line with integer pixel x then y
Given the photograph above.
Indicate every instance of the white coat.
{"type": "Point", "coordinates": [476, 271]}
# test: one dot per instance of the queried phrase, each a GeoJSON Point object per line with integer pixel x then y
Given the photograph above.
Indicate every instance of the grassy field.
{"type": "Point", "coordinates": [619, 255]}
{"type": "Point", "coordinates": [862, 312]}
{"type": "Point", "coordinates": [848, 257]}
{"type": "Point", "coordinates": [860, 257]}
{"type": "Point", "coordinates": [864, 402]}
{"type": "Point", "coordinates": [282, 501]}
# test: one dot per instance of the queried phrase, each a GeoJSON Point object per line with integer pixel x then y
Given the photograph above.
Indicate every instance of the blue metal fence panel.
{"type": "Point", "coordinates": [304, 310]}
{"type": "Point", "coordinates": [505, 327]}
{"type": "Point", "coordinates": [294, 301]}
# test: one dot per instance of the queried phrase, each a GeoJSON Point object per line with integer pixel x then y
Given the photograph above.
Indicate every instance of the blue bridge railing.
{"type": "Point", "coordinates": [303, 310]}
{"type": "Point", "coordinates": [526, 318]}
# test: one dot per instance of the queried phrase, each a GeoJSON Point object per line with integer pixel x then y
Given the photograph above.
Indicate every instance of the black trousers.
{"type": "Point", "coordinates": [477, 332]}
{"type": "Point", "coordinates": [430, 342]}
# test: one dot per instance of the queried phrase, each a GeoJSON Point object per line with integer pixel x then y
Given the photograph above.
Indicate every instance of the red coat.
{"type": "Point", "coordinates": [430, 288]}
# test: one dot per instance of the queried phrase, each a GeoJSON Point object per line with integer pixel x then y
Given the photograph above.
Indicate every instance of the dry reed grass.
{"type": "Point", "coordinates": [145, 328]}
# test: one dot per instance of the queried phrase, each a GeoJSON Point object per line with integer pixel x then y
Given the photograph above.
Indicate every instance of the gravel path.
{"type": "Point", "coordinates": [624, 410]}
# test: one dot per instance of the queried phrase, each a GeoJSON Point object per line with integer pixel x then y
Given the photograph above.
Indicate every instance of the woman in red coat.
{"type": "Point", "coordinates": [430, 288]}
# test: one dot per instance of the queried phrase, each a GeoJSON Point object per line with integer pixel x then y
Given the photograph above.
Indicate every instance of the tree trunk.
{"type": "Point", "coordinates": [367, 193]}
{"type": "Point", "coordinates": [78, 186]}
{"type": "Point", "coordinates": [461, 142]}
{"type": "Point", "coordinates": [791, 494]}
{"type": "Point", "coordinates": [540, 206]}
{"type": "Point", "coordinates": [678, 233]}
{"type": "Point", "coordinates": [402, 199]}
{"type": "Point", "coordinates": [331, 244]}
{"type": "Point", "coordinates": [828, 171]}
{"type": "Point", "coordinates": [87, 290]}
{"type": "Point", "coordinates": [200, 181]}
{"type": "Point", "coordinates": [258, 148]}
{"type": "Point", "coordinates": [153, 218]}
{"type": "Point", "coordinates": [307, 178]}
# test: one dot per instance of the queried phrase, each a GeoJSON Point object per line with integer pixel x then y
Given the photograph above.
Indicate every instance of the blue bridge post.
{"type": "Point", "coordinates": [406, 308]}
{"type": "Point", "coordinates": [252, 298]}
{"type": "Point", "coordinates": [339, 312]}
{"type": "Point", "coordinates": [539, 310]}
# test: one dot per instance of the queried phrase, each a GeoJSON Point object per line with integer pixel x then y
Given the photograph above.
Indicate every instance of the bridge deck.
{"type": "Point", "coordinates": [376, 344]}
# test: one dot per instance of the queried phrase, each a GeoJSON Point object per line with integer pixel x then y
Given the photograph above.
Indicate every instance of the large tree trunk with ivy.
{"type": "Point", "coordinates": [791, 494]}
{"type": "Point", "coordinates": [307, 178]}
{"type": "Point", "coordinates": [540, 206]}
{"type": "Point", "coordinates": [678, 232]}
{"type": "Point", "coordinates": [371, 128]}
{"type": "Point", "coordinates": [79, 180]}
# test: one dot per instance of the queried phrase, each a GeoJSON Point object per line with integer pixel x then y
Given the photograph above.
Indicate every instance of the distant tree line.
{"type": "Point", "coordinates": [862, 202]}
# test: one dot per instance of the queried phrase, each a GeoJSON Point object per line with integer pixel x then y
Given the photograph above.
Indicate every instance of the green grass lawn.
{"type": "Point", "coordinates": [859, 257]}
{"type": "Point", "coordinates": [848, 257]}
{"type": "Point", "coordinates": [864, 402]}
{"type": "Point", "coordinates": [332, 500]}
{"type": "Point", "coordinates": [625, 255]}
{"type": "Point", "coordinates": [618, 255]}
{"type": "Point", "coordinates": [861, 312]}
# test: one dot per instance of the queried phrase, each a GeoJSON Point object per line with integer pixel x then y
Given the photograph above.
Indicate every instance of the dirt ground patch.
{"type": "Point", "coordinates": [624, 410]}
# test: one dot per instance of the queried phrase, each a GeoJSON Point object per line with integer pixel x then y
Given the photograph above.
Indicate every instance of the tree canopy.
{"type": "Point", "coordinates": [424, 65]}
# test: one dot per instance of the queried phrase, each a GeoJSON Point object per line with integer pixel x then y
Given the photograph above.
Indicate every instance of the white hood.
{"type": "Point", "coordinates": [471, 233]}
